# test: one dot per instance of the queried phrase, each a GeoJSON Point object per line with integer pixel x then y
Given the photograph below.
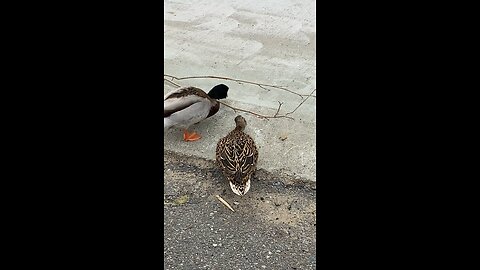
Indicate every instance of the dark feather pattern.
{"type": "Point", "coordinates": [237, 156]}
{"type": "Point", "coordinates": [187, 91]}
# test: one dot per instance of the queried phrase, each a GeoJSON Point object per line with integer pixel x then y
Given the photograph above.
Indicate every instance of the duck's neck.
{"type": "Point", "coordinates": [240, 127]}
{"type": "Point", "coordinates": [214, 108]}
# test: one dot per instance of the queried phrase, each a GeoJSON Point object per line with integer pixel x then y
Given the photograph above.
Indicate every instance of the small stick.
{"type": "Point", "coordinates": [224, 202]}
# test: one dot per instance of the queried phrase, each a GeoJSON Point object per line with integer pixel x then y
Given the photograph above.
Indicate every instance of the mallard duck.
{"type": "Point", "coordinates": [189, 105]}
{"type": "Point", "coordinates": [237, 157]}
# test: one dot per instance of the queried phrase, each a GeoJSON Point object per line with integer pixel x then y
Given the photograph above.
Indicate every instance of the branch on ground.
{"type": "Point", "coordinates": [261, 85]}
{"type": "Point", "coordinates": [170, 79]}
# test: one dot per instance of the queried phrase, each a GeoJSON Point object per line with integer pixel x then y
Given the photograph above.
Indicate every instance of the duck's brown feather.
{"type": "Point", "coordinates": [187, 91]}
{"type": "Point", "coordinates": [237, 155]}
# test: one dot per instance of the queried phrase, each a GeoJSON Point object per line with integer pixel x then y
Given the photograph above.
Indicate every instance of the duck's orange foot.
{"type": "Point", "coordinates": [190, 137]}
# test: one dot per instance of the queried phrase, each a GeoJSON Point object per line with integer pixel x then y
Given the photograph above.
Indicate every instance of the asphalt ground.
{"type": "Point", "coordinates": [273, 226]}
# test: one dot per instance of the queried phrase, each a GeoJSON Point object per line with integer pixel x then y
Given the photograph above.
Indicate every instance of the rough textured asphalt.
{"type": "Point", "coordinates": [273, 226]}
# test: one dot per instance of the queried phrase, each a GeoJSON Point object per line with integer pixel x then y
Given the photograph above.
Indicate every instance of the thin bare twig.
{"type": "Point", "coordinates": [277, 114]}
{"type": "Point", "coordinates": [301, 103]}
{"type": "Point", "coordinates": [261, 85]}
{"type": "Point", "coordinates": [171, 82]}
{"type": "Point", "coordinates": [279, 106]}
{"type": "Point", "coordinates": [256, 114]}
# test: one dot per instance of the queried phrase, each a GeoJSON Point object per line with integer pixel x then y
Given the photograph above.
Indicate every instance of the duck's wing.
{"type": "Point", "coordinates": [237, 155]}
{"type": "Point", "coordinates": [182, 99]}
{"type": "Point", "coordinates": [248, 156]}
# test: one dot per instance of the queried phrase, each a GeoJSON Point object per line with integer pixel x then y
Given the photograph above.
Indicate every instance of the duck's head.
{"type": "Point", "coordinates": [218, 92]}
{"type": "Point", "coordinates": [240, 122]}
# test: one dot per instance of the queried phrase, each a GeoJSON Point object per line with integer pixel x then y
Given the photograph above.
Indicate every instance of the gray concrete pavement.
{"type": "Point", "coordinates": [271, 42]}
{"type": "Point", "coordinates": [273, 226]}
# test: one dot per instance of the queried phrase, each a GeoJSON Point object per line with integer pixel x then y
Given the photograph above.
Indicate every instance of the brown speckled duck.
{"type": "Point", "coordinates": [237, 157]}
{"type": "Point", "coordinates": [189, 105]}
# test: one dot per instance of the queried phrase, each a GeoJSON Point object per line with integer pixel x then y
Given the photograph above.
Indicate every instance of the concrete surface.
{"type": "Point", "coordinates": [271, 42]}
{"type": "Point", "coordinates": [273, 226]}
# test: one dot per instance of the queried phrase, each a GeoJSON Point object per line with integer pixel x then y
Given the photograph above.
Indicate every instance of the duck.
{"type": "Point", "coordinates": [237, 157]}
{"type": "Point", "coordinates": [186, 106]}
